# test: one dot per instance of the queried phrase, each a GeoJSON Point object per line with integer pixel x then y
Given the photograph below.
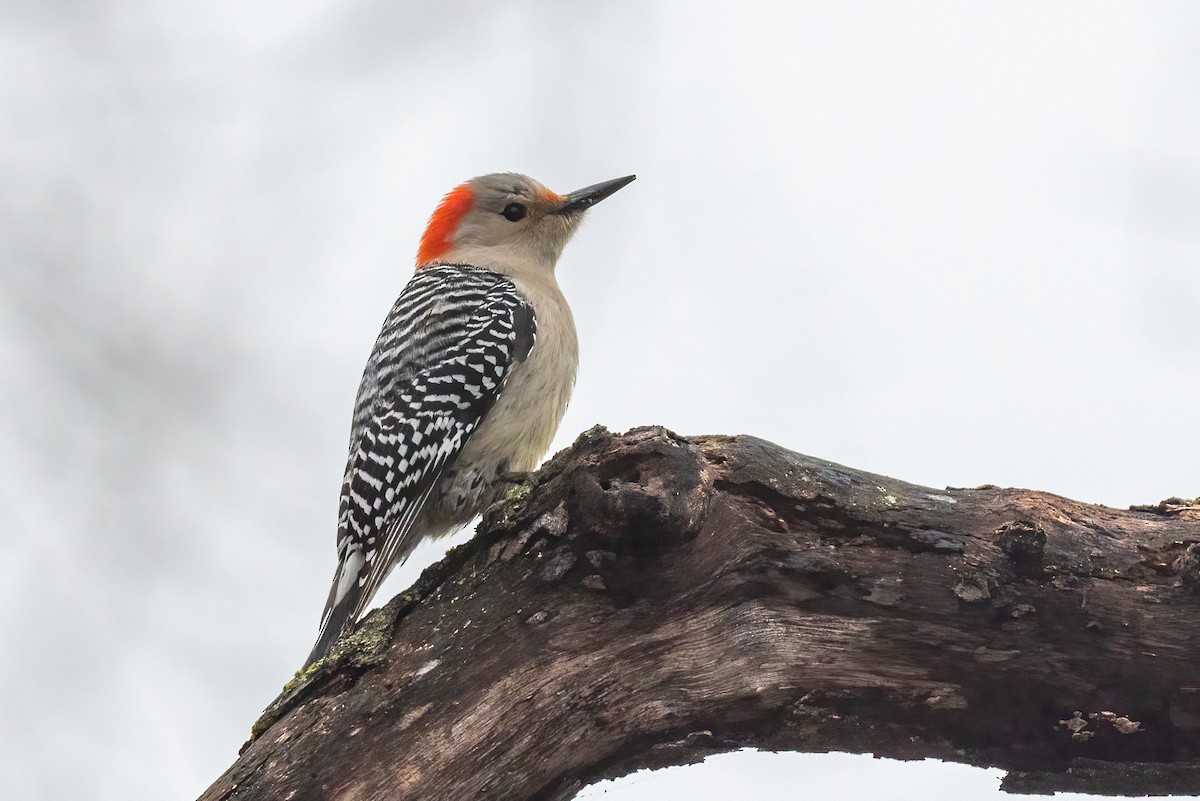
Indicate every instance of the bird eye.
{"type": "Point", "coordinates": [513, 212]}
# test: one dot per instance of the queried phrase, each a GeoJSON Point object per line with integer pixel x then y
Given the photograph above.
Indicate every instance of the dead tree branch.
{"type": "Point", "coordinates": [658, 599]}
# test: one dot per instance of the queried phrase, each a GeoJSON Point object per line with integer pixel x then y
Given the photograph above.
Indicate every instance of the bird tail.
{"type": "Point", "coordinates": [340, 610]}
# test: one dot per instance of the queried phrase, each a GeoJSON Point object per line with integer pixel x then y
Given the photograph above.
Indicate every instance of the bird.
{"type": "Point", "coordinates": [466, 384]}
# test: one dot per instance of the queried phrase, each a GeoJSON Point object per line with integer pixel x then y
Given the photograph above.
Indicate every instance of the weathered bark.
{"type": "Point", "coordinates": [657, 599]}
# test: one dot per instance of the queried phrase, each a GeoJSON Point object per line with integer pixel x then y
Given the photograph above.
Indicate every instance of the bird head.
{"type": "Point", "coordinates": [506, 221]}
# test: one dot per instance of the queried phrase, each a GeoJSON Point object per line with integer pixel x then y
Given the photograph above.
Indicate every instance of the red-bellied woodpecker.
{"type": "Point", "coordinates": [468, 379]}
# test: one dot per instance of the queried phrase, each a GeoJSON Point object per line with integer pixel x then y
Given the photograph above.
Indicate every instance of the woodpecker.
{"type": "Point", "coordinates": [467, 381]}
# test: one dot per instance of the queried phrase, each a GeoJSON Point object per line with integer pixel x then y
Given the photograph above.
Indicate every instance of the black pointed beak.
{"type": "Point", "coordinates": [589, 196]}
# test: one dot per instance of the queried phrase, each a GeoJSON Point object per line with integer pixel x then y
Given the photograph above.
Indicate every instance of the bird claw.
{"type": "Point", "coordinates": [514, 477]}
{"type": "Point", "coordinates": [514, 486]}
{"type": "Point", "coordinates": [511, 489]}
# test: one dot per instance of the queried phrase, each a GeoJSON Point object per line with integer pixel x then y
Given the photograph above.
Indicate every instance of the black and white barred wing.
{"type": "Point", "coordinates": [424, 402]}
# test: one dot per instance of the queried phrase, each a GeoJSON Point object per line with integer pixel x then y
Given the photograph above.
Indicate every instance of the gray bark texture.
{"type": "Point", "coordinates": [651, 599]}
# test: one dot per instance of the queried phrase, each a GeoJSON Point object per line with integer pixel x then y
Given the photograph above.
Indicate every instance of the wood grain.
{"type": "Point", "coordinates": [657, 599]}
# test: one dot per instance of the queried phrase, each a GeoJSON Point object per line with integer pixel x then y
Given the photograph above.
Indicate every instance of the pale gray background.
{"type": "Point", "coordinates": [954, 243]}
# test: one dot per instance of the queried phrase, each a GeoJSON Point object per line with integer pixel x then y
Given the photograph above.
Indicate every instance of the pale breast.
{"type": "Point", "coordinates": [518, 430]}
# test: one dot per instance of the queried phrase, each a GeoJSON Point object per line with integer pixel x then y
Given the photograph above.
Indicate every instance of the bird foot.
{"type": "Point", "coordinates": [511, 490]}
{"type": "Point", "coordinates": [515, 486]}
{"type": "Point", "coordinates": [515, 476]}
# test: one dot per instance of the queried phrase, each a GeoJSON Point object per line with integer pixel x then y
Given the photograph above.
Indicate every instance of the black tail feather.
{"type": "Point", "coordinates": [338, 623]}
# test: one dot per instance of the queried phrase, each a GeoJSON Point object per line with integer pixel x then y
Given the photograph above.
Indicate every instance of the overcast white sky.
{"type": "Point", "coordinates": [955, 243]}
